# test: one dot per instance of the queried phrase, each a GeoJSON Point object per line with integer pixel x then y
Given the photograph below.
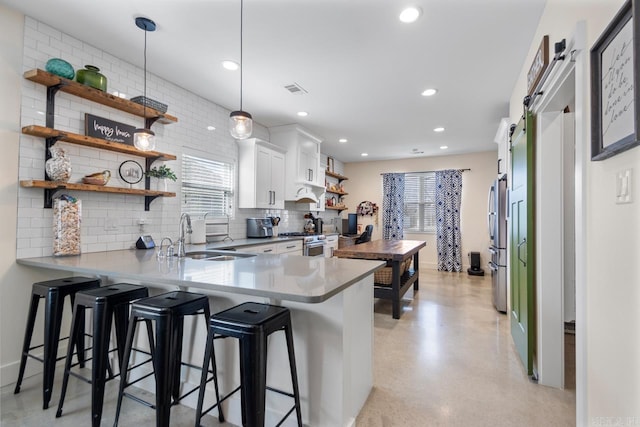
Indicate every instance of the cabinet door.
{"type": "Point", "coordinates": [277, 180]}
{"type": "Point", "coordinates": [332, 245]}
{"type": "Point", "coordinates": [263, 178]}
{"type": "Point", "coordinates": [309, 158]}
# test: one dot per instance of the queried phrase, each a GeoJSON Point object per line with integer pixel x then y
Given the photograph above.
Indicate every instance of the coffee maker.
{"type": "Point", "coordinates": [317, 222]}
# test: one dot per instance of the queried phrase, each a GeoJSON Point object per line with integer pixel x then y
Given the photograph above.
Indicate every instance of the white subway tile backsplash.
{"type": "Point", "coordinates": [194, 114]}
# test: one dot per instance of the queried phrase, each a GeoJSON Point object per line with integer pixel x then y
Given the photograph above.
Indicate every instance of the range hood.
{"type": "Point", "coordinates": [305, 195]}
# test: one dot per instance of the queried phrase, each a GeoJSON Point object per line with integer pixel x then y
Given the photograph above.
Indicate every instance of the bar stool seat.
{"type": "Point", "coordinates": [251, 323]}
{"type": "Point", "coordinates": [109, 304]}
{"type": "Point", "coordinates": [168, 311]}
{"type": "Point", "coordinates": [54, 292]}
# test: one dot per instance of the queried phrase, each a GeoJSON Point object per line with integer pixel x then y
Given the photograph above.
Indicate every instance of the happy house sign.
{"type": "Point", "coordinates": [99, 127]}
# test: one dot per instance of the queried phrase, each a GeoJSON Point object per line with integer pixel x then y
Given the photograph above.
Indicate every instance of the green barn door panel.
{"type": "Point", "coordinates": [521, 244]}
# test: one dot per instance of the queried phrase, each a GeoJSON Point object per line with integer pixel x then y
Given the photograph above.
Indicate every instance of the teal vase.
{"type": "Point", "coordinates": [60, 67]}
{"type": "Point", "coordinates": [90, 76]}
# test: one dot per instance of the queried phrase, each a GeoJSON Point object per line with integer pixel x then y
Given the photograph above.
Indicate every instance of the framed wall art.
{"type": "Point", "coordinates": [615, 108]}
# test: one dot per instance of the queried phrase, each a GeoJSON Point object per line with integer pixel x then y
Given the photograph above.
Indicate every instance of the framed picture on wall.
{"type": "Point", "coordinates": [330, 164]}
{"type": "Point", "coordinates": [615, 107]}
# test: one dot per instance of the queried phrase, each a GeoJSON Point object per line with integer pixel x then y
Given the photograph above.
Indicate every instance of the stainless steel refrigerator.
{"type": "Point", "coordinates": [497, 223]}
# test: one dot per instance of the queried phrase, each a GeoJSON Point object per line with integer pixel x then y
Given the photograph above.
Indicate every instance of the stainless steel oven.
{"type": "Point", "coordinates": [314, 246]}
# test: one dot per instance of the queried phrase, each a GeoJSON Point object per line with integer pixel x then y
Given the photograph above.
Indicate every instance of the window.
{"type": "Point", "coordinates": [207, 186]}
{"type": "Point", "coordinates": [419, 202]}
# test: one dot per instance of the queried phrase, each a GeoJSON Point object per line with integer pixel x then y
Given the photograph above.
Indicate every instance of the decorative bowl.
{"type": "Point", "coordinates": [60, 67]}
{"type": "Point", "coordinates": [98, 178]}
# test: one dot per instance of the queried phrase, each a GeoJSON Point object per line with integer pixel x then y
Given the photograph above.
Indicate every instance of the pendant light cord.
{"type": "Point", "coordinates": [241, 65]}
{"type": "Point", "coordinates": [144, 103]}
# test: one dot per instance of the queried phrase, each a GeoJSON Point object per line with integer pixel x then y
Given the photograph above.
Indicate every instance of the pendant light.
{"type": "Point", "coordinates": [145, 139]}
{"type": "Point", "coordinates": [240, 122]}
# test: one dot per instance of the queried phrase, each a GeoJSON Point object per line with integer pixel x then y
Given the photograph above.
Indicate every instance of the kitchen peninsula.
{"type": "Point", "coordinates": [331, 302]}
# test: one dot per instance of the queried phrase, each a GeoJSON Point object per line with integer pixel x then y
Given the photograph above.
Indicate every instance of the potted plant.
{"type": "Point", "coordinates": [162, 173]}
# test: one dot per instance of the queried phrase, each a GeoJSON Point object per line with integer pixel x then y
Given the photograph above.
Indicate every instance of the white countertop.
{"type": "Point", "coordinates": [284, 277]}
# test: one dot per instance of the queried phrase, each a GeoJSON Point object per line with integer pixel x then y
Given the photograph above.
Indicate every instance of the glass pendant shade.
{"type": "Point", "coordinates": [144, 139]}
{"type": "Point", "coordinates": [240, 124]}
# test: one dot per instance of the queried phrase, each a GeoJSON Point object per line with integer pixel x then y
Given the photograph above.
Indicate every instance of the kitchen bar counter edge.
{"type": "Point", "coordinates": [308, 280]}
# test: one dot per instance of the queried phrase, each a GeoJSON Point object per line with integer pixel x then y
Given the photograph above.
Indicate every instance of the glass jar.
{"type": "Point", "coordinates": [67, 215]}
{"type": "Point", "coordinates": [58, 167]}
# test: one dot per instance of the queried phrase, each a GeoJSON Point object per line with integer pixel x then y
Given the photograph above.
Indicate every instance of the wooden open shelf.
{"type": "Point", "coordinates": [342, 193]}
{"type": "Point", "coordinates": [88, 141]}
{"type": "Point", "coordinates": [336, 175]}
{"type": "Point", "coordinates": [336, 208]}
{"type": "Point", "coordinates": [69, 86]}
{"type": "Point", "coordinates": [56, 83]}
{"type": "Point", "coordinates": [53, 185]}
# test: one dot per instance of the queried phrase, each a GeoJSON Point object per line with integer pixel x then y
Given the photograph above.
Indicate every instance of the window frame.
{"type": "Point", "coordinates": [232, 179]}
{"type": "Point", "coordinates": [425, 216]}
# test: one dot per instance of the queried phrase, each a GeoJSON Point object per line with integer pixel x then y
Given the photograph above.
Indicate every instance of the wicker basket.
{"type": "Point", "coordinates": [384, 275]}
{"type": "Point", "coordinates": [151, 103]}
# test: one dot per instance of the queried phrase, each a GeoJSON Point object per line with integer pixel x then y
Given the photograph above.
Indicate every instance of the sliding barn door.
{"type": "Point", "coordinates": [522, 241]}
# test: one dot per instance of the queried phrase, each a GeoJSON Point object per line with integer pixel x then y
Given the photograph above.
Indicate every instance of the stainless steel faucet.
{"type": "Point", "coordinates": [169, 253]}
{"type": "Point", "coordinates": [181, 252]}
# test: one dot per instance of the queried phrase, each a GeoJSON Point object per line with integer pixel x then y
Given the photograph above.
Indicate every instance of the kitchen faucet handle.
{"type": "Point", "coordinates": [169, 253]}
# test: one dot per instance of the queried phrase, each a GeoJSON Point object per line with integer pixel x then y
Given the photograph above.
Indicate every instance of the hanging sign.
{"type": "Point", "coordinates": [99, 127]}
{"type": "Point", "coordinates": [540, 64]}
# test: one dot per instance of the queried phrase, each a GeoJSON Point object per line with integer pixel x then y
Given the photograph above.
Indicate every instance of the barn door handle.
{"type": "Point", "coordinates": [524, 240]}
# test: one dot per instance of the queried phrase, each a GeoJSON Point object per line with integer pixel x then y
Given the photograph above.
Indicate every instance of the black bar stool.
{"type": "Point", "coordinates": [251, 323]}
{"type": "Point", "coordinates": [54, 293]}
{"type": "Point", "coordinates": [168, 311]}
{"type": "Point", "coordinates": [110, 303]}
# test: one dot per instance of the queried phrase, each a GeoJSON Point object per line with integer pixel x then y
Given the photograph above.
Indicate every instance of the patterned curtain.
{"type": "Point", "coordinates": [448, 200]}
{"type": "Point", "coordinates": [393, 206]}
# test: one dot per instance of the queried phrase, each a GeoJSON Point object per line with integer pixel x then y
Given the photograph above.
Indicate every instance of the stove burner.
{"type": "Point", "coordinates": [296, 234]}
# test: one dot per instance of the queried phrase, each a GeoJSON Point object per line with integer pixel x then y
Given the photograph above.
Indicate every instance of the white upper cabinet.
{"type": "Point", "coordinates": [261, 174]}
{"type": "Point", "coordinates": [302, 170]}
{"type": "Point", "coordinates": [502, 139]}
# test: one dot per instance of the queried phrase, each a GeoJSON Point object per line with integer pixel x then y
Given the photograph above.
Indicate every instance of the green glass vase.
{"type": "Point", "coordinates": [90, 76]}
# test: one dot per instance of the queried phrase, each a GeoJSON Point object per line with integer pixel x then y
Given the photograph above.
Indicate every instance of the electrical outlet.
{"type": "Point", "coordinates": [624, 187]}
{"type": "Point", "coordinates": [110, 224]}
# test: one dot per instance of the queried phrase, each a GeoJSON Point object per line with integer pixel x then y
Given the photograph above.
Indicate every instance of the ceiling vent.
{"type": "Point", "coordinates": [296, 89]}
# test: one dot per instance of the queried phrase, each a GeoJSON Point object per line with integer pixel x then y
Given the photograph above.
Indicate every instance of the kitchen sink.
{"type": "Point", "coordinates": [217, 255]}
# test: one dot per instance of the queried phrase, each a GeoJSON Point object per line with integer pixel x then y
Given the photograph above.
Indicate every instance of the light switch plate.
{"type": "Point", "coordinates": [624, 187]}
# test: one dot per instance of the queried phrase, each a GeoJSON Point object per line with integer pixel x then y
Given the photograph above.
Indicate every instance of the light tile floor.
{"type": "Point", "coordinates": [449, 361]}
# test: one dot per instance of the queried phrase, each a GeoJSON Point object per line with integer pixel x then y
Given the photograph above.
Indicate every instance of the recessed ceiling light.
{"type": "Point", "coordinates": [429, 92]}
{"type": "Point", "coordinates": [364, 154]}
{"type": "Point", "coordinates": [440, 129]}
{"type": "Point", "coordinates": [211, 128]}
{"type": "Point", "coordinates": [342, 140]}
{"type": "Point", "coordinates": [443, 147]}
{"type": "Point", "coordinates": [410, 14]}
{"type": "Point", "coordinates": [303, 113]}
{"type": "Point", "coordinates": [230, 65]}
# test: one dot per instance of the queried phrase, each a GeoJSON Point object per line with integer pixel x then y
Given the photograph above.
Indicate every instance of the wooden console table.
{"type": "Point", "coordinates": [394, 252]}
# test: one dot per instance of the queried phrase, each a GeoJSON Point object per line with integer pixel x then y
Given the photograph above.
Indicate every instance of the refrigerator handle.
{"type": "Point", "coordinates": [490, 212]}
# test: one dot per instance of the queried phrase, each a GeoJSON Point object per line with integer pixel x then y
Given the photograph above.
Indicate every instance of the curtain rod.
{"type": "Point", "coordinates": [459, 170]}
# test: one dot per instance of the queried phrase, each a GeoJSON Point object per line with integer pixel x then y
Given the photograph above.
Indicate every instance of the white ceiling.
{"type": "Point", "coordinates": [363, 69]}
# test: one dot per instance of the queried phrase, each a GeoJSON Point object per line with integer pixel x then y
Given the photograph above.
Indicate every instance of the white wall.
{"type": "Point", "coordinates": [608, 372]}
{"type": "Point", "coordinates": [15, 280]}
{"type": "Point", "coordinates": [365, 183]}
